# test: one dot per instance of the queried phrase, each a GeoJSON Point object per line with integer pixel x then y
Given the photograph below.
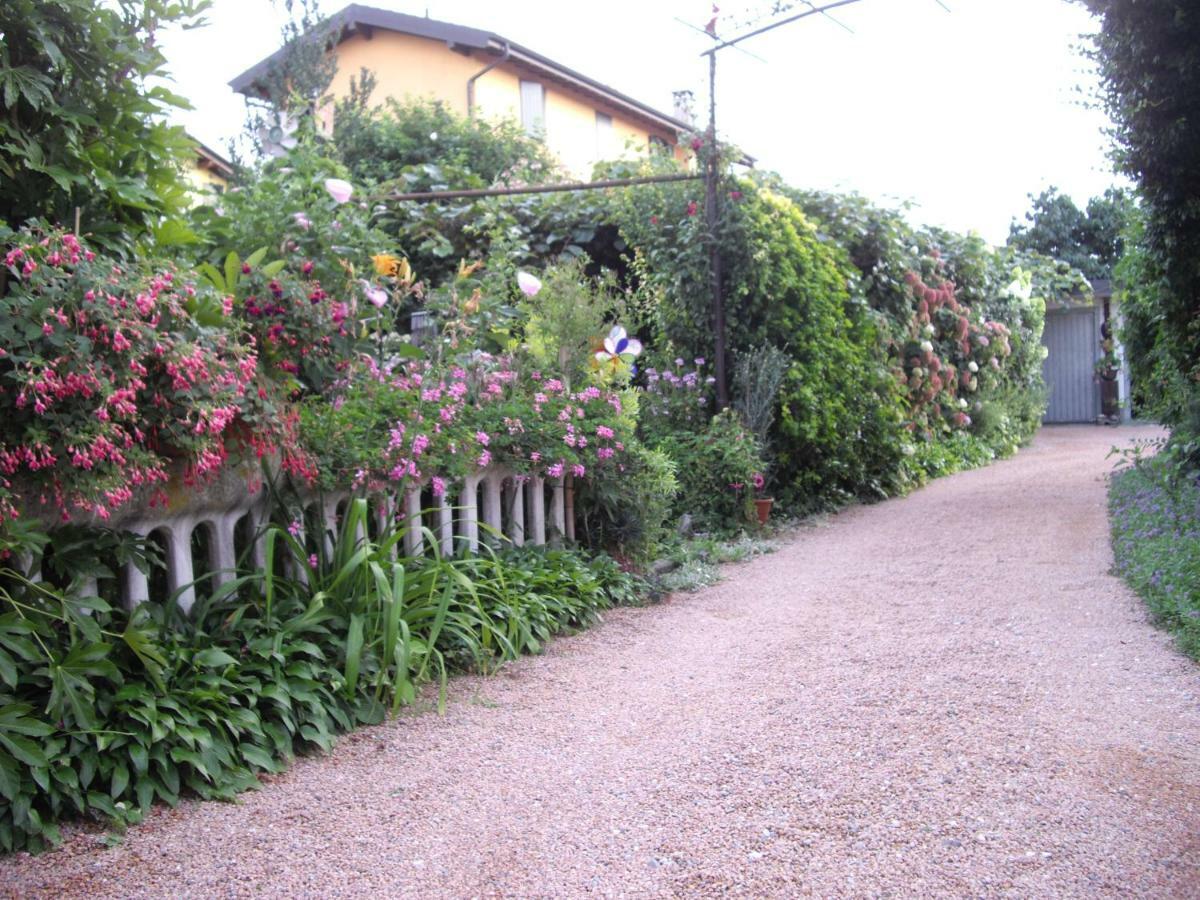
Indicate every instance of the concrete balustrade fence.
{"type": "Point", "coordinates": [522, 509]}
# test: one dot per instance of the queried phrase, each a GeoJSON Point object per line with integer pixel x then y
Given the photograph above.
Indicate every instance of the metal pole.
{"type": "Point", "coordinates": [712, 216]}
{"type": "Point", "coordinates": [426, 196]}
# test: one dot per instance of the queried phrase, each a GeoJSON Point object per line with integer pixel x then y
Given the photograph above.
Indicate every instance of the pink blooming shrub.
{"type": "Point", "coordinates": [303, 334]}
{"type": "Point", "coordinates": [448, 422]}
{"type": "Point", "coordinates": [948, 342]}
{"type": "Point", "coordinates": [106, 376]}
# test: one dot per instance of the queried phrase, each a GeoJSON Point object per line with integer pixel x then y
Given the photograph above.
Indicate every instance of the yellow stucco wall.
{"type": "Point", "coordinates": [406, 66]}
{"type": "Point", "coordinates": [203, 181]}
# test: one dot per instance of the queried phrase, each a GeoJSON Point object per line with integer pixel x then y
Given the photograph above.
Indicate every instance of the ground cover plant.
{"type": "Point", "coordinates": [104, 711]}
{"type": "Point", "coordinates": [1155, 514]}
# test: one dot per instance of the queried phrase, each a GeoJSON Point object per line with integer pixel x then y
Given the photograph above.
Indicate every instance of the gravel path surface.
{"type": "Point", "coordinates": [943, 695]}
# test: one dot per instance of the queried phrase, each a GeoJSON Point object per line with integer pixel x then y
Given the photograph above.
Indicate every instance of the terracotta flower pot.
{"type": "Point", "coordinates": [763, 506]}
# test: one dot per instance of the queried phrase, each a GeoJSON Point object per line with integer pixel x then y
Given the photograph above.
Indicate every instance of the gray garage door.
{"type": "Point", "coordinates": [1072, 338]}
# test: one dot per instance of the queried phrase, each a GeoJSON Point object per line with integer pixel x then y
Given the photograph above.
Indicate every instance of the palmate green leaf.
{"type": "Point", "coordinates": [71, 679]}
{"type": "Point", "coordinates": [8, 668]}
{"type": "Point", "coordinates": [213, 276]}
{"type": "Point", "coordinates": [10, 777]}
{"type": "Point", "coordinates": [23, 749]}
{"type": "Point", "coordinates": [213, 657]}
{"type": "Point", "coordinates": [256, 257]}
{"type": "Point", "coordinates": [15, 718]}
{"type": "Point", "coordinates": [139, 637]}
{"type": "Point", "coordinates": [233, 271]}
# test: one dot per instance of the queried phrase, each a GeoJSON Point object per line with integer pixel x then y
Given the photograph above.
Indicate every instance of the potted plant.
{"type": "Point", "coordinates": [762, 504]}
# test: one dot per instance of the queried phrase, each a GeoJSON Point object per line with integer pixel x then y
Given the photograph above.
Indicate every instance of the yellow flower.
{"type": "Point", "coordinates": [385, 264]}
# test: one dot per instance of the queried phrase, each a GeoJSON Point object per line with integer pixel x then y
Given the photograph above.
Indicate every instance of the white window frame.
{"type": "Point", "coordinates": [533, 108]}
{"type": "Point", "coordinates": [604, 135]}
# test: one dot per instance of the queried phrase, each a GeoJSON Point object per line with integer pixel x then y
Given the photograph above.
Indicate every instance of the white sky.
{"type": "Point", "coordinates": [962, 113]}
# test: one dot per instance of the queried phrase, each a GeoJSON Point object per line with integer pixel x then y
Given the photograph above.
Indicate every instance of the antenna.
{"type": "Point", "coordinates": [699, 30]}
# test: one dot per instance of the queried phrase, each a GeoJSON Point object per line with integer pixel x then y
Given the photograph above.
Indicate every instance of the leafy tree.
{"type": "Point", "coordinates": [294, 86]}
{"type": "Point", "coordinates": [1148, 52]}
{"type": "Point", "coordinates": [1088, 239]}
{"type": "Point", "coordinates": [390, 143]}
{"type": "Point", "coordinates": [81, 127]}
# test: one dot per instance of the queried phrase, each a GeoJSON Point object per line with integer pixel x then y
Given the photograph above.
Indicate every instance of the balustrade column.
{"type": "Point", "coordinates": [558, 512]}
{"type": "Point", "coordinates": [492, 485]}
{"type": "Point", "coordinates": [329, 523]}
{"type": "Point", "coordinates": [445, 524]}
{"type": "Point", "coordinates": [222, 553]}
{"type": "Point", "coordinates": [469, 514]}
{"type": "Point", "coordinates": [514, 496]}
{"type": "Point", "coordinates": [179, 564]}
{"type": "Point", "coordinates": [535, 490]}
{"type": "Point", "coordinates": [135, 586]}
{"type": "Point", "coordinates": [413, 539]}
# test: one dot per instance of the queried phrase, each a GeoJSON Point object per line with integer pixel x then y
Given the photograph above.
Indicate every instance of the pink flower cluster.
{"type": "Point", "coordinates": [119, 378]}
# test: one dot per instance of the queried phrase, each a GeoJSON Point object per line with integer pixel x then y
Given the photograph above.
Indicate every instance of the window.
{"type": "Point", "coordinates": [533, 108]}
{"type": "Point", "coordinates": [604, 135]}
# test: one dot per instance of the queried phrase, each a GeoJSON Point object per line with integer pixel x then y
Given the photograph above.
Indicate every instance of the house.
{"type": "Point", "coordinates": [477, 72]}
{"type": "Point", "coordinates": [208, 172]}
{"type": "Point", "coordinates": [1075, 339]}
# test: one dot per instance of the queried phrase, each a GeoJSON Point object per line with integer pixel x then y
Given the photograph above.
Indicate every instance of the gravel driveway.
{"type": "Point", "coordinates": [943, 695]}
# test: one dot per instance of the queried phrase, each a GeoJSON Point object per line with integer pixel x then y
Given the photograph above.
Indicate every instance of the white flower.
{"type": "Point", "coordinates": [973, 366]}
{"type": "Point", "coordinates": [433, 135]}
{"type": "Point", "coordinates": [962, 404]}
{"type": "Point", "coordinates": [528, 284]}
{"type": "Point", "coordinates": [928, 331]}
{"type": "Point", "coordinates": [619, 343]}
{"type": "Point", "coordinates": [338, 189]}
{"type": "Point", "coordinates": [927, 346]}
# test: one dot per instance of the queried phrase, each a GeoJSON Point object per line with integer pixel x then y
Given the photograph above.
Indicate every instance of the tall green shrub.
{"type": "Point", "coordinates": [82, 122]}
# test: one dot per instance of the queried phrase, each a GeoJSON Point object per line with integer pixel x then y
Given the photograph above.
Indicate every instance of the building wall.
{"type": "Point", "coordinates": [205, 183]}
{"type": "Point", "coordinates": [407, 66]}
